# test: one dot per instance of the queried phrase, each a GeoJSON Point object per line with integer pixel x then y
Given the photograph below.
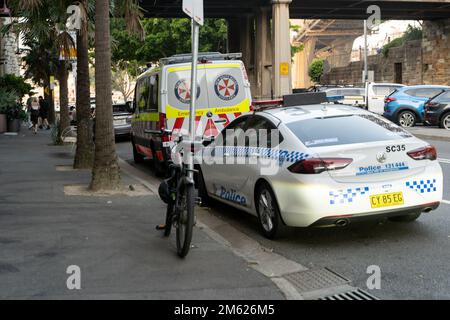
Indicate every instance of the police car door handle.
{"type": "Point", "coordinates": [255, 154]}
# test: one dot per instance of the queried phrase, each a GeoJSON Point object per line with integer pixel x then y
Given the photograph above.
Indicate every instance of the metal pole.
{"type": "Point", "coordinates": [195, 34]}
{"type": "Point", "coordinates": [366, 75]}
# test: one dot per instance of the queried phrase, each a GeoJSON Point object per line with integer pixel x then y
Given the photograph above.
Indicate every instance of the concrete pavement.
{"type": "Point", "coordinates": [430, 133]}
{"type": "Point", "coordinates": [112, 239]}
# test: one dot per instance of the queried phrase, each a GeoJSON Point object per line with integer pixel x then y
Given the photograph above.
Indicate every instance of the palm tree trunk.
{"type": "Point", "coordinates": [84, 155]}
{"type": "Point", "coordinates": [106, 171]}
{"type": "Point", "coordinates": [64, 121]}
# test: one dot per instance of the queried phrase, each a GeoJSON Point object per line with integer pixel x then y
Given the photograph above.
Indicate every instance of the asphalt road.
{"type": "Point", "coordinates": [413, 257]}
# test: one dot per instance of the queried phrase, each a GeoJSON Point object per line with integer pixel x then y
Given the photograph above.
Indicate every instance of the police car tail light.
{"type": "Point", "coordinates": [318, 165]}
{"type": "Point", "coordinates": [424, 153]}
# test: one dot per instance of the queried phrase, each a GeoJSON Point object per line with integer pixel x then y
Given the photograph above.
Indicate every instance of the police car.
{"type": "Point", "coordinates": [320, 165]}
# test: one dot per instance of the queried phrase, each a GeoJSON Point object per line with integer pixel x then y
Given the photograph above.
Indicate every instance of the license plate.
{"type": "Point", "coordinates": [386, 199]}
{"type": "Point", "coordinates": [119, 122]}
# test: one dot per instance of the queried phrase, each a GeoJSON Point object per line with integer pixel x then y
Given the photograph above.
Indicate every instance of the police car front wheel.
{"type": "Point", "coordinates": [268, 212]}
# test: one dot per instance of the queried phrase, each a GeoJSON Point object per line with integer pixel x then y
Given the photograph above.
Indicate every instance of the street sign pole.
{"type": "Point", "coordinates": [194, 9]}
{"type": "Point", "coordinates": [195, 35]}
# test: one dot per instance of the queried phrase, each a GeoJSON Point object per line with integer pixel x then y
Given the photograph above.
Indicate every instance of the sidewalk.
{"type": "Point", "coordinates": [112, 239]}
{"type": "Point", "coordinates": [432, 133]}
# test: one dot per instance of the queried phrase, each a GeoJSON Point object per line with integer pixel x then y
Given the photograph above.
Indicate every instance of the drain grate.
{"type": "Point", "coordinates": [315, 279]}
{"type": "Point", "coordinates": [356, 294]}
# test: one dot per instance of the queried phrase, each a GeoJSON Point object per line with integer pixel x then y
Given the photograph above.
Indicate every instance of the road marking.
{"type": "Point", "coordinates": [445, 201]}
{"type": "Point", "coordinates": [442, 160]}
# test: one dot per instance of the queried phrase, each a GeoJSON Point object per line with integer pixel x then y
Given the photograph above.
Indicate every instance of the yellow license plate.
{"type": "Point", "coordinates": [386, 199]}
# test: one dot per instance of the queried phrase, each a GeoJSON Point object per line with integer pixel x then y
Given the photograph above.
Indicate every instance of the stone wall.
{"type": "Point", "coordinates": [436, 52]}
{"type": "Point", "coordinates": [425, 61]}
{"type": "Point", "coordinates": [408, 55]}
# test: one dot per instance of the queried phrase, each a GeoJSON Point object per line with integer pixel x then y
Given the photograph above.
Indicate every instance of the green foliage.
{"type": "Point", "coordinates": [411, 33]}
{"type": "Point", "coordinates": [10, 106]}
{"type": "Point", "coordinates": [17, 84]}
{"type": "Point", "coordinates": [165, 37]}
{"type": "Point", "coordinates": [315, 70]}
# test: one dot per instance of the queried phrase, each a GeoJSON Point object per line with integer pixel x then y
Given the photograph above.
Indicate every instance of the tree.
{"type": "Point", "coordinates": [106, 171]}
{"type": "Point", "coordinates": [42, 25]}
{"type": "Point", "coordinates": [124, 74]}
{"type": "Point", "coordinates": [165, 37]}
{"type": "Point", "coordinates": [84, 155]}
{"type": "Point", "coordinates": [315, 70]}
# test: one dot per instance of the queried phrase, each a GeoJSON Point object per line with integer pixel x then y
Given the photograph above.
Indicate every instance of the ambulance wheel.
{"type": "Point", "coordinates": [202, 192]}
{"type": "Point", "coordinates": [406, 218]}
{"type": "Point", "coordinates": [137, 157]}
{"type": "Point", "coordinates": [268, 211]}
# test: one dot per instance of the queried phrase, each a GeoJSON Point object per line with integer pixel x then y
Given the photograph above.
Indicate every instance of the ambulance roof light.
{"type": "Point", "coordinates": [204, 56]}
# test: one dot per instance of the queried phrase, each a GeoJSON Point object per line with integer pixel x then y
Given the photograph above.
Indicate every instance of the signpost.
{"type": "Point", "coordinates": [194, 9]}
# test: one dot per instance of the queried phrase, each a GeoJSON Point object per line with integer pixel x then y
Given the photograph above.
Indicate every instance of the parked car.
{"type": "Point", "coordinates": [437, 110]}
{"type": "Point", "coordinates": [405, 106]}
{"type": "Point", "coordinates": [122, 115]}
{"type": "Point", "coordinates": [316, 171]}
{"type": "Point", "coordinates": [377, 92]}
{"type": "Point", "coordinates": [162, 101]}
{"type": "Point", "coordinates": [351, 96]}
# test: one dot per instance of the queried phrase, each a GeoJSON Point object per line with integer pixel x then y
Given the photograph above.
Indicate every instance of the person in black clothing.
{"type": "Point", "coordinates": [43, 113]}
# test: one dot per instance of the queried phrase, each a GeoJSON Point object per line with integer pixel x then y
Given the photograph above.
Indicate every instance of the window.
{"type": "Point", "coordinates": [261, 131]}
{"type": "Point", "coordinates": [147, 94]}
{"type": "Point", "coordinates": [331, 131]}
{"type": "Point", "coordinates": [383, 90]}
{"type": "Point", "coordinates": [425, 92]}
{"type": "Point", "coordinates": [445, 97]}
{"type": "Point", "coordinates": [237, 126]}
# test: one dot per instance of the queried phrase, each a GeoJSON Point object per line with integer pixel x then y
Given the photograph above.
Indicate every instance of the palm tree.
{"type": "Point", "coordinates": [84, 155]}
{"type": "Point", "coordinates": [42, 25]}
{"type": "Point", "coordinates": [106, 170]}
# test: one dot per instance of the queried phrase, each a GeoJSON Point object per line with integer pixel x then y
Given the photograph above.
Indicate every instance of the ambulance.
{"type": "Point", "coordinates": [162, 100]}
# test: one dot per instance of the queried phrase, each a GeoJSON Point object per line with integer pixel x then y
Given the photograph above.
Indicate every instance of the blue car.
{"type": "Point", "coordinates": [405, 106]}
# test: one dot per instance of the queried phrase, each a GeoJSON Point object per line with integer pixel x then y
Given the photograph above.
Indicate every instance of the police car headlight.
{"type": "Point", "coordinates": [129, 119]}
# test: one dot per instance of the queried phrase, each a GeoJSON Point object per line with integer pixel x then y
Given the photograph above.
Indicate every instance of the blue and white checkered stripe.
{"type": "Point", "coordinates": [422, 186]}
{"type": "Point", "coordinates": [347, 195]}
{"type": "Point", "coordinates": [267, 153]}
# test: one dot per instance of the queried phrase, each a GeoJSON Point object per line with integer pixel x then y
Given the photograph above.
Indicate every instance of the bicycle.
{"type": "Point", "coordinates": [178, 192]}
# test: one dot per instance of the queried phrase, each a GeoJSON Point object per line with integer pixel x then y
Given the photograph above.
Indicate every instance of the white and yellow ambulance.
{"type": "Point", "coordinates": [162, 99]}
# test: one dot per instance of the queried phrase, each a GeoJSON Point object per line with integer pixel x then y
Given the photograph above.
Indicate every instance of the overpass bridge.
{"type": "Point", "coordinates": [260, 28]}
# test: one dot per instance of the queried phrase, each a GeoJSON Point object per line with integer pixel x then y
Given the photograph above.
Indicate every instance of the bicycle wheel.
{"type": "Point", "coordinates": [185, 219]}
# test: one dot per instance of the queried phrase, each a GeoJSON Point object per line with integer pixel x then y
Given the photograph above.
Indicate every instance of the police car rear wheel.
{"type": "Point", "coordinates": [268, 212]}
{"type": "Point", "coordinates": [406, 218]}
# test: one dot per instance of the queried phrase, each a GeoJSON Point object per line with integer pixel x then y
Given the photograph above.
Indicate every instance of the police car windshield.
{"type": "Point", "coordinates": [349, 129]}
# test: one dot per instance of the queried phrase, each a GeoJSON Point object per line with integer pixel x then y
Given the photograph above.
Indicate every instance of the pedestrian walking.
{"type": "Point", "coordinates": [43, 113]}
{"type": "Point", "coordinates": [34, 113]}
{"type": "Point", "coordinates": [29, 122]}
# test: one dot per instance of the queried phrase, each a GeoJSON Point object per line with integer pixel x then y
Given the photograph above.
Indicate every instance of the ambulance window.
{"type": "Point", "coordinates": [153, 98]}
{"type": "Point", "coordinates": [142, 95]}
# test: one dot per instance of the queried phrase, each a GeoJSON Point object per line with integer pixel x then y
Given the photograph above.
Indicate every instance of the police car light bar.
{"type": "Point", "coordinates": [183, 58]}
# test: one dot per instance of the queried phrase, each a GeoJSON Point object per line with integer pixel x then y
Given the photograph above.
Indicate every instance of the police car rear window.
{"type": "Point", "coordinates": [331, 131]}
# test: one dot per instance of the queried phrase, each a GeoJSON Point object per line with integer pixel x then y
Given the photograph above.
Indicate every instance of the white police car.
{"type": "Point", "coordinates": [329, 165]}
